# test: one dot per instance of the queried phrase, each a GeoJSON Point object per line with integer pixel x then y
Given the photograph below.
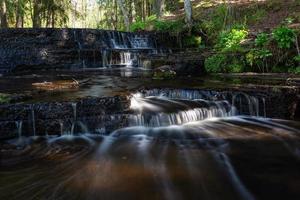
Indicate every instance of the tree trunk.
{"type": "Point", "coordinates": [36, 21]}
{"type": "Point", "coordinates": [125, 14]}
{"type": "Point", "coordinates": [3, 14]}
{"type": "Point", "coordinates": [159, 5]}
{"type": "Point", "coordinates": [19, 14]}
{"type": "Point", "coordinates": [188, 12]}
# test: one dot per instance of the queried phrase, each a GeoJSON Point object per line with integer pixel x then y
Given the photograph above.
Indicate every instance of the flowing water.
{"type": "Point", "coordinates": [179, 144]}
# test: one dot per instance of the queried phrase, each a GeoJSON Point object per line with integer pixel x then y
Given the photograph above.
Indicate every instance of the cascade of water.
{"type": "Point", "coordinates": [104, 58]}
{"type": "Point", "coordinates": [244, 103]}
{"type": "Point", "coordinates": [126, 58]}
{"type": "Point", "coordinates": [74, 107]}
{"type": "Point", "coordinates": [156, 112]}
{"type": "Point", "coordinates": [61, 124]}
{"type": "Point", "coordinates": [33, 120]}
{"type": "Point", "coordinates": [79, 49]}
{"type": "Point", "coordinates": [140, 42]}
{"type": "Point", "coordinates": [19, 125]}
{"type": "Point", "coordinates": [118, 40]}
{"type": "Point", "coordinates": [264, 106]}
{"type": "Point", "coordinates": [182, 117]}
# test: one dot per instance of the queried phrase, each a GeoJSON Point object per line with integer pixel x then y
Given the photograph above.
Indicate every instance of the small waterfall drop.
{"type": "Point", "coordinates": [74, 108]}
{"type": "Point", "coordinates": [33, 120]}
{"type": "Point", "coordinates": [165, 107]}
{"type": "Point", "coordinates": [61, 125]}
{"type": "Point", "coordinates": [19, 126]}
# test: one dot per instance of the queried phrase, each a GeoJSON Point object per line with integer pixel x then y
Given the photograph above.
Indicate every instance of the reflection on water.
{"type": "Point", "coordinates": [219, 158]}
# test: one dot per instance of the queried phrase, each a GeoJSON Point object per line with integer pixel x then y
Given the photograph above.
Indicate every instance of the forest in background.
{"type": "Point", "coordinates": [233, 35]}
{"type": "Point", "coordinates": [104, 14]}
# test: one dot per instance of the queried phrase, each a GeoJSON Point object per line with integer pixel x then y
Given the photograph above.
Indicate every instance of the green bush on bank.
{"type": "Point", "coordinates": [231, 40]}
{"type": "Point", "coordinates": [223, 63]}
{"type": "Point", "coordinates": [154, 24]}
{"type": "Point", "coordinates": [268, 53]}
{"type": "Point", "coordinates": [229, 43]}
{"type": "Point", "coordinates": [284, 37]}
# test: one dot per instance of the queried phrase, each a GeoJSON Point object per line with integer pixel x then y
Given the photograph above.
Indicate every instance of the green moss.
{"type": "Point", "coordinates": [4, 98]}
{"type": "Point", "coordinates": [162, 75]}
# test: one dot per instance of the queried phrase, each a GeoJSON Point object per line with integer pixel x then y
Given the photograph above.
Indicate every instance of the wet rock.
{"type": "Point", "coordinates": [190, 67]}
{"type": "Point", "coordinates": [64, 49]}
{"type": "Point", "coordinates": [53, 118]}
{"type": "Point", "coordinates": [164, 72]}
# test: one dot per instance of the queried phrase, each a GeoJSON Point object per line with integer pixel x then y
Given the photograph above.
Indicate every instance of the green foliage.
{"type": "Point", "coordinates": [231, 40]}
{"type": "Point", "coordinates": [297, 58]}
{"type": "Point", "coordinates": [192, 41]}
{"type": "Point", "coordinates": [164, 74]}
{"type": "Point", "coordinates": [297, 70]}
{"type": "Point", "coordinates": [139, 25]}
{"type": "Point", "coordinates": [262, 40]}
{"type": "Point", "coordinates": [236, 67]}
{"type": "Point", "coordinates": [284, 37]}
{"type": "Point", "coordinates": [215, 23]}
{"type": "Point", "coordinates": [294, 70]}
{"type": "Point", "coordinates": [215, 63]}
{"type": "Point", "coordinates": [168, 26]}
{"type": "Point", "coordinates": [154, 24]}
{"type": "Point", "coordinates": [258, 57]}
{"type": "Point", "coordinates": [4, 98]}
{"type": "Point", "coordinates": [222, 63]}
{"type": "Point", "coordinates": [288, 20]}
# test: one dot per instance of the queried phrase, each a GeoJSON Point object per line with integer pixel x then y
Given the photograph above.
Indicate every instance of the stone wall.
{"type": "Point", "coordinates": [57, 118]}
{"type": "Point", "coordinates": [56, 49]}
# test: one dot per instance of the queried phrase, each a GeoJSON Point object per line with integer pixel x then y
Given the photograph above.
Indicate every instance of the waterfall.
{"type": "Point", "coordinates": [140, 42]}
{"type": "Point", "coordinates": [61, 124]}
{"type": "Point", "coordinates": [74, 108]}
{"type": "Point", "coordinates": [33, 120]}
{"type": "Point", "coordinates": [126, 58]}
{"type": "Point", "coordinates": [19, 125]}
{"type": "Point", "coordinates": [165, 107]}
{"type": "Point", "coordinates": [125, 49]}
{"type": "Point", "coordinates": [104, 58]}
{"type": "Point", "coordinates": [161, 111]}
{"type": "Point", "coordinates": [243, 103]}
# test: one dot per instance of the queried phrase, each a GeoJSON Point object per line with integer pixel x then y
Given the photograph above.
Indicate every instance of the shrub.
{"type": "Point", "coordinates": [262, 40]}
{"type": "Point", "coordinates": [152, 23]}
{"type": "Point", "coordinates": [297, 58]}
{"type": "Point", "coordinates": [215, 63]}
{"type": "Point", "coordinates": [231, 40]}
{"type": "Point", "coordinates": [257, 57]}
{"type": "Point", "coordinates": [139, 25]}
{"type": "Point", "coordinates": [192, 41]}
{"type": "Point", "coordinates": [236, 67]}
{"type": "Point", "coordinates": [168, 26]}
{"type": "Point", "coordinates": [294, 70]}
{"type": "Point", "coordinates": [284, 37]}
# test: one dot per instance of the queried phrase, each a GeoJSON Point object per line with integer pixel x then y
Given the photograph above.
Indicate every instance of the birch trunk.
{"type": "Point", "coordinates": [188, 12]}
{"type": "Point", "coordinates": [124, 11]}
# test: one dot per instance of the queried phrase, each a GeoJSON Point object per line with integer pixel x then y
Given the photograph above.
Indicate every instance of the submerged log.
{"type": "Point", "coordinates": [60, 85]}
